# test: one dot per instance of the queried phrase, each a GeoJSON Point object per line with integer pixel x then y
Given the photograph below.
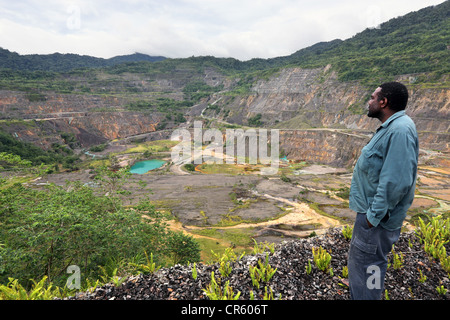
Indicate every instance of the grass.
{"type": "Point", "coordinates": [22, 179]}
{"type": "Point", "coordinates": [152, 146]}
{"type": "Point", "coordinates": [218, 246]}
{"type": "Point", "coordinates": [240, 237]}
{"type": "Point", "coordinates": [215, 168]}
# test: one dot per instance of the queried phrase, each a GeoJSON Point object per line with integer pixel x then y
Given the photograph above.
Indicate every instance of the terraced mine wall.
{"type": "Point", "coordinates": [332, 147]}
{"type": "Point", "coordinates": [320, 118]}
{"type": "Point", "coordinates": [92, 119]}
{"type": "Point", "coordinates": [298, 98]}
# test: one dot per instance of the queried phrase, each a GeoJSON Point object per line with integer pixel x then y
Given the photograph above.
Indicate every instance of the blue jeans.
{"type": "Point", "coordinates": [367, 259]}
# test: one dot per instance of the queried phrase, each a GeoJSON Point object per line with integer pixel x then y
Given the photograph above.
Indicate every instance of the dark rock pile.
{"type": "Point", "coordinates": [291, 280]}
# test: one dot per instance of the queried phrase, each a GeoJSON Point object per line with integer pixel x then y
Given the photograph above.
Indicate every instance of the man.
{"type": "Point", "coordinates": [382, 190]}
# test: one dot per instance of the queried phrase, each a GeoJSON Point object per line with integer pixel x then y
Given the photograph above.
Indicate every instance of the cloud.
{"type": "Point", "coordinates": [241, 29]}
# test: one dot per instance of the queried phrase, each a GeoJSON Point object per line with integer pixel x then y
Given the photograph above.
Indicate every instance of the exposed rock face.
{"type": "Point", "coordinates": [322, 146]}
{"type": "Point", "coordinates": [293, 99]}
{"type": "Point", "coordinates": [302, 99]}
{"type": "Point", "coordinates": [77, 114]}
{"type": "Point", "coordinates": [307, 98]}
{"type": "Point", "coordinates": [16, 104]}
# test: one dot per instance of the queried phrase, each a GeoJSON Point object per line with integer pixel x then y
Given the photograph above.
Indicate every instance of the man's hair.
{"type": "Point", "coordinates": [396, 95]}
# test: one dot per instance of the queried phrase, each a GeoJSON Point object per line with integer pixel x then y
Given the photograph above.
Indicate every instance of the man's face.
{"type": "Point", "coordinates": [374, 109]}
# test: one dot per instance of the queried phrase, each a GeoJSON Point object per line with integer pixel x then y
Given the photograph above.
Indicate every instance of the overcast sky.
{"type": "Point", "coordinates": [241, 29]}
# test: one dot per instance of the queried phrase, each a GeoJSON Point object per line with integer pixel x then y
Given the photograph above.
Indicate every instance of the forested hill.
{"type": "Point", "coordinates": [415, 43]}
{"type": "Point", "coordinates": [58, 62]}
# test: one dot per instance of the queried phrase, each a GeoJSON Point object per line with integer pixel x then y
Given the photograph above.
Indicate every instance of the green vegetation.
{"type": "Point", "coordinates": [262, 247]}
{"type": "Point", "coordinates": [64, 62]}
{"type": "Point", "coordinates": [214, 291]}
{"type": "Point", "coordinates": [194, 91]}
{"type": "Point", "coordinates": [152, 147]}
{"type": "Point", "coordinates": [347, 232]}
{"type": "Point", "coordinates": [41, 290]}
{"type": "Point", "coordinates": [263, 272]}
{"type": "Point", "coordinates": [189, 167]}
{"type": "Point", "coordinates": [163, 105]}
{"type": "Point", "coordinates": [434, 235]}
{"type": "Point", "coordinates": [99, 148]}
{"type": "Point", "coordinates": [397, 259]}
{"type": "Point", "coordinates": [413, 44]}
{"type": "Point", "coordinates": [30, 152]}
{"type": "Point", "coordinates": [322, 259]}
{"type": "Point", "coordinates": [255, 121]}
{"type": "Point", "coordinates": [44, 231]}
{"type": "Point", "coordinates": [50, 160]}
{"type": "Point", "coordinates": [12, 161]}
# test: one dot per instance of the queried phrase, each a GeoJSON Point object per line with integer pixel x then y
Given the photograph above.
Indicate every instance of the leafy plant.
{"type": "Point", "coordinates": [261, 273]}
{"type": "Point", "coordinates": [91, 285]}
{"type": "Point", "coordinates": [182, 248]}
{"type": "Point", "coordinates": [194, 271]}
{"type": "Point", "coordinates": [225, 260]}
{"type": "Point", "coordinates": [445, 263]}
{"type": "Point", "coordinates": [39, 291]}
{"type": "Point", "coordinates": [397, 259]}
{"type": "Point", "coordinates": [262, 246]}
{"type": "Point", "coordinates": [308, 267]}
{"type": "Point", "coordinates": [268, 295]}
{"type": "Point", "coordinates": [214, 290]}
{"type": "Point", "coordinates": [113, 277]}
{"type": "Point", "coordinates": [322, 259]}
{"type": "Point", "coordinates": [434, 235]}
{"type": "Point", "coordinates": [148, 267]}
{"type": "Point", "coordinates": [347, 232]}
{"type": "Point", "coordinates": [345, 272]}
{"type": "Point", "coordinates": [441, 290]}
{"type": "Point", "coordinates": [227, 255]}
{"type": "Point", "coordinates": [77, 226]}
{"type": "Point", "coordinates": [225, 268]}
{"type": "Point", "coordinates": [436, 248]}
{"type": "Point", "coordinates": [436, 228]}
{"type": "Point", "coordinates": [422, 277]}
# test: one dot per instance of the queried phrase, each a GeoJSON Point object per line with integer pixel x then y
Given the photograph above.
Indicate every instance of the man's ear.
{"type": "Point", "coordinates": [383, 102]}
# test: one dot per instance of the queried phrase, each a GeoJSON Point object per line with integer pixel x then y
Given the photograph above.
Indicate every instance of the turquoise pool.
{"type": "Point", "coordinates": [142, 167]}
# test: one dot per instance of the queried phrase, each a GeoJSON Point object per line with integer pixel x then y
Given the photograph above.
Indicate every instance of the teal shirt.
{"type": "Point", "coordinates": [384, 177]}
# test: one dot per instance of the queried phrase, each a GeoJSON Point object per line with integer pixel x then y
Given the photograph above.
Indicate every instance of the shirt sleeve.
{"type": "Point", "coordinates": [396, 176]}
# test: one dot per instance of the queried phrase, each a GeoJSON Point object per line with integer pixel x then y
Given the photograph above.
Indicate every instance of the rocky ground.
{"type": "Point", "coordinates": [291, 280]}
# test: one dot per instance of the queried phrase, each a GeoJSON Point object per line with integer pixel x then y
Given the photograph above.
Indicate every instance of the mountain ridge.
{"type": "Point", "coordinates": [326, 85]}
{"type": "Point", "coordinates": [415, 42]}
{"type": "Point", "coordinates": [59, 62]}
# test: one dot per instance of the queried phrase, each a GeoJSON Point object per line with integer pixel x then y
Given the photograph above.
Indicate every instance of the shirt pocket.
{"type": "Point", "coordinates": [371, 162]}
{"type": "Point", "coordinates": [375, 161]}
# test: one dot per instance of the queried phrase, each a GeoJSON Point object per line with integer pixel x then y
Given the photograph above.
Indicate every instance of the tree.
{"type": "Point", "coordinates": [12, 160]}
{"type": "Point", "coordinates": [182, 248]}
{"type": "Point", "coordinates": [42, 232]}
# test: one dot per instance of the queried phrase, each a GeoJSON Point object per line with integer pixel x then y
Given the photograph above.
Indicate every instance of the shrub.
{"type": "Point", "coordinates": [43, 231]}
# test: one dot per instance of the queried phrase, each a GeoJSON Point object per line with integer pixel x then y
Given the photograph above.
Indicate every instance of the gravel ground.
{"type": "Point", "coordinates": [291, 280]}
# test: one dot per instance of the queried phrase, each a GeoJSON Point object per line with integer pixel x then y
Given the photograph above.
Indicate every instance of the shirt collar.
{"type": "Point", "coordinates": [396, 115]}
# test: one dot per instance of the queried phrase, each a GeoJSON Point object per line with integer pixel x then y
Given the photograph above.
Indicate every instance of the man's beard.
{"type": "Point", "coordinates": [374, 113]}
